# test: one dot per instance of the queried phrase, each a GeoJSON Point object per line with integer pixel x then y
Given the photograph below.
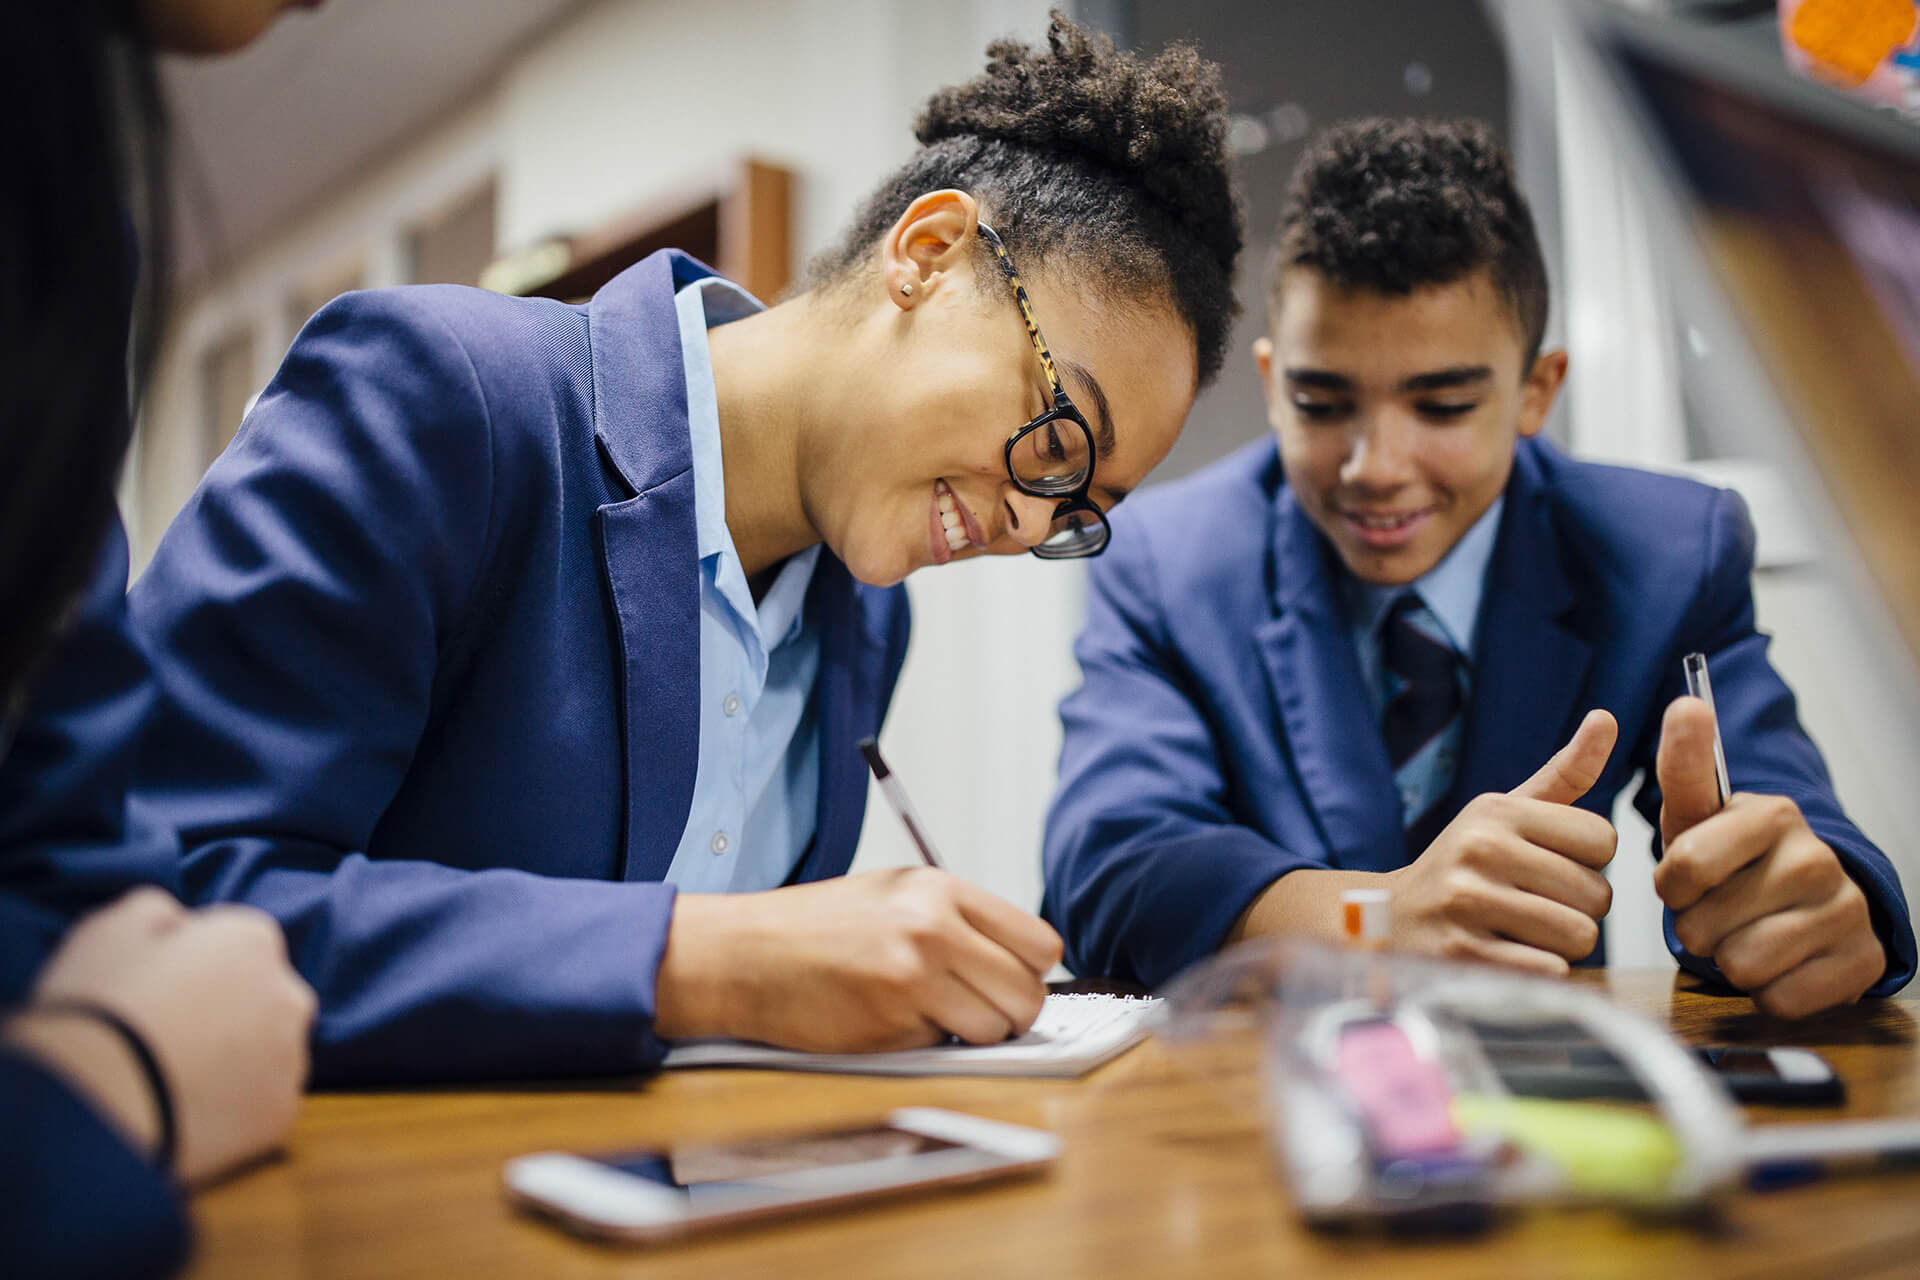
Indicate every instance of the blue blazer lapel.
{"type": "Point", "coordinates": [1529, 662]}
{"type": "Point", "coordinates": [1338, 758]}
{"type": "Point", "coordinates": [649, 551]}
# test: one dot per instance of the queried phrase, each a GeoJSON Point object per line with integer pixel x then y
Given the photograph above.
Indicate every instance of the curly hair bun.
{"type": "Point", "coordinates": [1083, 155]}
{"type": "Point", "coordinates": [1160, 125]}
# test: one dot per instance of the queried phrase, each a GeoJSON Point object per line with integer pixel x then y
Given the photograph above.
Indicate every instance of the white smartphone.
{"type": "Point", "coordinates": [648, 1196]}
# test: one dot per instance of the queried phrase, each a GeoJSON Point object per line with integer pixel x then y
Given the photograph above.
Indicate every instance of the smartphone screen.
{"type": "Point", "coordinates": [769, 1163]}
{"type": "Point", "coordinates": [1560, 1060]}
{"type": "Point", "coordinates": [1741, 1062]}
{"type": "Point", "coordinates": [643, 1197]}
{"type": "Point", "coordinates": [1784, 1075]}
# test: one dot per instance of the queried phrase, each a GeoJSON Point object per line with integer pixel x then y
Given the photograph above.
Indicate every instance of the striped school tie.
{"type": "Point", "coordinates": [1421, 723]}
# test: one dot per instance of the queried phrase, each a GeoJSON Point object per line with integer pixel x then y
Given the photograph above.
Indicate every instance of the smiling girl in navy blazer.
{"type": "Point", "coordinates": [515, 652]}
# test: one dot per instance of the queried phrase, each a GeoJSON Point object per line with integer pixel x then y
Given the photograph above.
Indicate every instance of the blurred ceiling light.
{"type": "Point", "coordinates": [528, 269]}
{"type": "Point", "coordinates": [1246, 134]}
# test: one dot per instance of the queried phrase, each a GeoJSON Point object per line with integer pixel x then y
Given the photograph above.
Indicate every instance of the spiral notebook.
{"type": "Point", "coordinates": [1073, 1035]}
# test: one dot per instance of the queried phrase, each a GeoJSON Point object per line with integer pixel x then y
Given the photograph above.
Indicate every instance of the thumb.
{"type": "Point", "coordinates": [1689, 785]}
{"type": "Point", "coordinates": [1575, 767]}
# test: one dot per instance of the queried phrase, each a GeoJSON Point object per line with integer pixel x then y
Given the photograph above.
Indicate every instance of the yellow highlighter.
{"type": "Point", "coordinates": [1600, 1151]}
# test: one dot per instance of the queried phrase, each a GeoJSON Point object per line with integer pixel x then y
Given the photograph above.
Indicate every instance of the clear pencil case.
{"type": "Point", "coordinates": [1381, 1078]}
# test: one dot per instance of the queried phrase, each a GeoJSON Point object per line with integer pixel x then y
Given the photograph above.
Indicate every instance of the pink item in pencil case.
{"type": "Point", "coordinates": [1403, 1099]}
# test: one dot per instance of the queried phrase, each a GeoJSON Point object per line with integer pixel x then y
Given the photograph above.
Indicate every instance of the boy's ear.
{"type": "Point", "coordinates": [1263, 361]}
{"type": "Point", "coordinates": [1540, 390]}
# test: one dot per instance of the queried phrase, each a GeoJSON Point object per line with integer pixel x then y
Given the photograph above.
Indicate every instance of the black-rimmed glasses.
{"type": "Point", "coordinates": [1052, 456]}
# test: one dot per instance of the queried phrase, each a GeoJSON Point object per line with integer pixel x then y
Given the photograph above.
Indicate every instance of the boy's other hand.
{"type": "Point", "coordinates": [1752, 887]}
{"type": "Point", "coordinates": [1517, 879]}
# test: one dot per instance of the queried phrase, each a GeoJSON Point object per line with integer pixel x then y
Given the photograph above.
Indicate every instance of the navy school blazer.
{"type": "Point", "coordinates": [69, 839]}
{"type": "Point", "coordinates": [1223, 737]}
{"type": "Point", "coordinates": [428, 641]}
{"type": "Point", "coordinates": [75, 1199]}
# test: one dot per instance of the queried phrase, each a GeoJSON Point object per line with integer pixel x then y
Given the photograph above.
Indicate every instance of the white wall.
{"type": "Point", "coordinates": [1622, 399]}
{"type": "Point", "coordinates": [363, 227]}
{"type": "Point", "coordinates": [619, 106]}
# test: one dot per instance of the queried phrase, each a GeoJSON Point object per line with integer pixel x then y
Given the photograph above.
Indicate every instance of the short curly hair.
{"type": "Point", "coordinates": [1397, 205]}
{"type": "Point", "coordinates": [1079, 154]}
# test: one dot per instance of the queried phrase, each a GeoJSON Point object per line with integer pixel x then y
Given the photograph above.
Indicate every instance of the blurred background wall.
{"type": "Point", "coordinates": [538, 145]}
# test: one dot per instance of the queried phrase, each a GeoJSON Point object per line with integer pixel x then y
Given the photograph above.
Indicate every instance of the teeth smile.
{"type": "Point", "coordinates": [950, 521]}
{"type": "Point", "coordinates": [1383, 522]}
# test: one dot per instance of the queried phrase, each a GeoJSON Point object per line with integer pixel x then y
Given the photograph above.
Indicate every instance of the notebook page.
{"type": "Point", "coordinates": [1072, 1035]}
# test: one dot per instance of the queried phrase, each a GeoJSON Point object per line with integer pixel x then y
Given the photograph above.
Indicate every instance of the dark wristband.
{"type": "Point", "coordinates": [163, 1149]}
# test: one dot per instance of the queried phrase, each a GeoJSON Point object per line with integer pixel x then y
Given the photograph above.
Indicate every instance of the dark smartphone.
{"type": "Point", "coordinates": [1560, 1060]}
{"type": "Point", "coordinates": [1792, 1077]}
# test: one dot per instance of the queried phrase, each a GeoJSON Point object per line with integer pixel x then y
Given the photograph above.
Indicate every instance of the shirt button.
{"type": "Point", "coordinates": [720, 842]}
{"type": "Point", "coordinates": [732, 704]}
{"type": "Point", "coordinates": [1409, 797]}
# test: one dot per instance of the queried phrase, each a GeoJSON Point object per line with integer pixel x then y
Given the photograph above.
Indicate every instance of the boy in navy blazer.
{"type": "Point", "coordinates": [1407, 643]}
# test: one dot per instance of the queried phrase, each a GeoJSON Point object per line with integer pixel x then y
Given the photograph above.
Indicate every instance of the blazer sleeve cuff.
{"type": "Point", "coordinates": [1693, 964]}
{"type": "Point", "coordinates": [76, 1200]}
{"type": "Point", "coordinates": [524, 976]}
{"type": "Point", "coordinates": [1888, 907]}
{"type": "Point", "coordinates": [1183, 904]}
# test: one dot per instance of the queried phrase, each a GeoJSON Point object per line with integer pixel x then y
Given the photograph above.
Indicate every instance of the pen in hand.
{"type": "Point", "coordinates": [1695, 665]}
{"type": "Point", "coordinates": [897, 797]}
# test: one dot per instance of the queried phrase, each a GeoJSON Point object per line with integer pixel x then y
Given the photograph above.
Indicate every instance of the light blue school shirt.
{"type": "Point", "coordinates": [1451, 591]}
{"type": "Point", "coordinates": [756, 790]}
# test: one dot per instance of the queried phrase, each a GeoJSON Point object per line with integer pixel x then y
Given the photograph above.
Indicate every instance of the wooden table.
{"type": "Point", "coordinates": [1166, 1172]}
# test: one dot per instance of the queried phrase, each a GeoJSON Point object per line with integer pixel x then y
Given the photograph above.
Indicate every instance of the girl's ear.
{"type": "Point", "coordinates": [933, 237]}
